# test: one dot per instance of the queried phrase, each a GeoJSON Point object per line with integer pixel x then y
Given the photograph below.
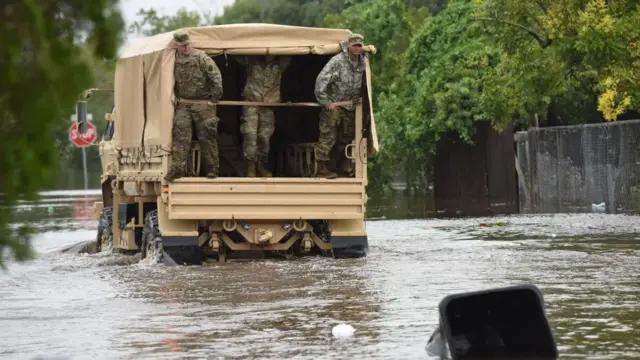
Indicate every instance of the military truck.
{"type": "Point", "coordinates": [195, 218]}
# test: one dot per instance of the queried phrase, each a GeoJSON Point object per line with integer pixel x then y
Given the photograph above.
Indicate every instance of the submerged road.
{"type": "Point", "coordinates": [109, 306]}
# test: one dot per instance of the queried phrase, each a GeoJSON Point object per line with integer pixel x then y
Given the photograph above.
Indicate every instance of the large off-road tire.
{"type": "Point", "coordinates": [151, 244]}
{"type": "Point", "coordinates": [104, 240]}
{"type": "Point", "coordinates": [321, 229]}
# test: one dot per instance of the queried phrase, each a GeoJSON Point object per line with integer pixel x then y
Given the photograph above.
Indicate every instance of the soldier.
{"type": "Point", "coordinates": [263, 84]}
{"type": "Point", "coordinates": [197, 78]}
{"type": "Point", "coordinates": [340, 80]}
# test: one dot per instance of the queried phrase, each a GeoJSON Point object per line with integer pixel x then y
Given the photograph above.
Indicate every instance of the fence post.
{"type": "Point", "coordinates": [533, 163]}
{"type": "Point", "coordinates": [559, 156]}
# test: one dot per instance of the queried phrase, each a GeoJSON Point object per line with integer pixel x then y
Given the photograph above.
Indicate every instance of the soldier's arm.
{"type": "Point", "coordinates": [324, 79]}
{"type": "Point", "coordinates": [212, 71]}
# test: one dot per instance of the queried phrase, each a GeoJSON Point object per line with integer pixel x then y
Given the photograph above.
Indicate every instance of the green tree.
{"type": "Point", "coordinates": [429, 83]}
{"type": "Point", "coordinates": [43, 71]}
{"type": "Point", "coordinates": [151, 23]}
{"type": "Point", "coordinates": [593, 42]}
{"type": "Point", "coordinates": [283, 12]}
{"type": "Point", "coordinates": [385, 24]}
{"type": "Point", "coordinates": [242, 12]}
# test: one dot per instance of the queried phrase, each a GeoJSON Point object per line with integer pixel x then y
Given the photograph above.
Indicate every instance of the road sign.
{"type": "Point", "coordinates": [82, 140]}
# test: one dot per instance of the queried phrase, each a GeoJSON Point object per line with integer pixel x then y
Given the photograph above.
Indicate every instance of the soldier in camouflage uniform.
{"type": "Point", "coordinates": [263, 84]}
{"type": "Point", "coordinates": [339, 80]}
{"type": "Point", "coordinates": [197, 78]}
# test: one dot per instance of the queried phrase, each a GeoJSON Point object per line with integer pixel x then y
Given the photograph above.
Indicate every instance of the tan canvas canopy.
{"type": "Point", "coordinates": [144, 82]}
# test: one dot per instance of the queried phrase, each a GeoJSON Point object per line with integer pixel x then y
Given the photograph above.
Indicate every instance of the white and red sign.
{"type": "Point", "coordinates": [82, 140]}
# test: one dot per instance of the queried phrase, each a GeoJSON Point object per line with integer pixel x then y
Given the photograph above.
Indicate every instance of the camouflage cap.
{"type": "Point", "coordinates": [181, 37]}
{"type": "Point", "coordinates": [356, 39]}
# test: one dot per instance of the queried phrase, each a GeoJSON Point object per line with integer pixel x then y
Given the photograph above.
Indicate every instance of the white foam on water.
{"type": "Point", "coordinates": [149, 262]}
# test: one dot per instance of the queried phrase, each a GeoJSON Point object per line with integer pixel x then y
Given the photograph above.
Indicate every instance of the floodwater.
{"type": "Point", "coordinates": [72, 306]}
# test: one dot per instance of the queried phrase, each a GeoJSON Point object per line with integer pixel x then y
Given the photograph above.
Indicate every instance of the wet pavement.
{"type": "Point", "coordinates": [110, 306]}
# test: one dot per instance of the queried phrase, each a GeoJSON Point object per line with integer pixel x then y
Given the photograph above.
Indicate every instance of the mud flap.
{"type": "Point", "coordinates": [349, 247]}
{"type": "Point", "coordinates": [181, 250]}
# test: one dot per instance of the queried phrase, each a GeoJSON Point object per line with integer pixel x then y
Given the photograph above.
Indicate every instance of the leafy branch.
{"type": "Point", "coordinates": [544, 42]}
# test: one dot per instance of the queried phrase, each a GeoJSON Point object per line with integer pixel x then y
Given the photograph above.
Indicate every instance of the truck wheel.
{"type": "Point", "coordinates": [151, 238]}
{"type": "Point", "coordinates": [104, 241]}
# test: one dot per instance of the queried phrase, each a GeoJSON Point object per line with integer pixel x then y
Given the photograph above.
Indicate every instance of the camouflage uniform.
{"type": "Point", "coordinates": [258, 125]}
{"type": "Point", "coordinates": [197, 78]}
{"type": "Point", "coordinates": [340, 80]}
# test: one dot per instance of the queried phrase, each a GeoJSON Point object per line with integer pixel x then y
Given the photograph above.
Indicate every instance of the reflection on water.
{"type": "Point", "coordinates": [107, 306]}
{"type": "Point", "coordinates": [281, 309]}
{"type": "Point", "coordinates": [397, 205]}
{"type": "Point", "coordinates": [59, 210]}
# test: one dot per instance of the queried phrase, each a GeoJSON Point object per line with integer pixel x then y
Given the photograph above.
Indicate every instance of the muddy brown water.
{"type": "Point", "coordinates": [113, 307]}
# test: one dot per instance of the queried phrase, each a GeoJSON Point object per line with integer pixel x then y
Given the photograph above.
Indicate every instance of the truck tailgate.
{"type": "Point", "coordinates": [266, 198]}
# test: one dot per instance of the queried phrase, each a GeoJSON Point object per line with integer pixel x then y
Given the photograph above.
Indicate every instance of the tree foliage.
{"type": "Point", "coordinates": [242, 12]}
{"type": "Point", "coordinates": [499, 61]}
{"type": "Point", "coordinates": [283, 12]}
{"type": "Point", "coordinates": [43, 71]}
{"type": "Point", "coordinates": [593, 42]}
{"type": "Point", "coordinates": [151, 23]}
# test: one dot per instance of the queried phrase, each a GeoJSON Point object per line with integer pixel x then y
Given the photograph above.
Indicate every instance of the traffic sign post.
{"type": "Point", "coordinates": [82, 141]}
{"type": "Point", "coordinates": [74, 117]}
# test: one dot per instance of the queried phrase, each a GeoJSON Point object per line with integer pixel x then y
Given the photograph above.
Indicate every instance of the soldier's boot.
{"type": "Point", "coordinates": [251, 168]}
{"type": "Point", "coordinates": [262, 170]}
{"type": "Point", "coordinates": [212, 174]}
{"type": "Point", "coordinates": [323, 170]}
{"type": "Point", "coordinates": [172, 175]}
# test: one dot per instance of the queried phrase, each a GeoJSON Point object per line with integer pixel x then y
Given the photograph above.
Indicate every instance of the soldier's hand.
{"type": "Point", "coordinates": [332, 106]}
{"type": "Point", "coordinates": [211, 103]}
